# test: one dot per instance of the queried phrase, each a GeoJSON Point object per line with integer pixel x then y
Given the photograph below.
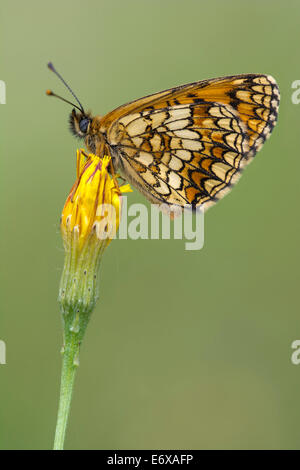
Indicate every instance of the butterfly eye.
{"type": "Point", "coordinates": [83, 125]}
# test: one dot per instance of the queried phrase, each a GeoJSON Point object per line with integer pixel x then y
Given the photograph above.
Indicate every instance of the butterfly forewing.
{"type": "Point", "coordinates": [187, 145]}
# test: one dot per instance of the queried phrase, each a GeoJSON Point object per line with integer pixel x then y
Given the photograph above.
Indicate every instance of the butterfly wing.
{"type": "Point", "coordinates": [187, 145]}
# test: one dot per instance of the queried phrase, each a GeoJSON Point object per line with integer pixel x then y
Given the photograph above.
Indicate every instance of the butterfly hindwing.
{"type": "Point", "coordinates": [186, 154]}
{"type": "Point", "coordinates": [187, 145]}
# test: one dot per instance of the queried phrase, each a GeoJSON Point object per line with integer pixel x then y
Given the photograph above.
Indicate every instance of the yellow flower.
{"type": "Point", "coordinates": [90, 219]}
{"type": "Point", "coordinates": [94, 204]}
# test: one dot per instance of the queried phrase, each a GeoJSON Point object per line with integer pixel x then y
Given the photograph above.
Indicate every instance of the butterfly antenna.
{"type": "Point", "coordinates": [50, 93]}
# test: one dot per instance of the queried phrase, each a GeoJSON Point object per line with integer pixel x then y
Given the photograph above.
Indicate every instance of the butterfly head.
{"type": "Point", "coordinates": [80, 123]}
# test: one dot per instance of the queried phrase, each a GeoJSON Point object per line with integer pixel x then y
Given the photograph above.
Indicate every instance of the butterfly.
{"type": "Point", "coordinates": [188, 145]}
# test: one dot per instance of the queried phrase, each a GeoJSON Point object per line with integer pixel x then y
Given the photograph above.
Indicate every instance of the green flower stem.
{"type": "Point", "coordinates": [78, 294]}
{"type": "Point", "coordinates": [75, 323]}
{"type": "Point", "coordinates": [69, 368]}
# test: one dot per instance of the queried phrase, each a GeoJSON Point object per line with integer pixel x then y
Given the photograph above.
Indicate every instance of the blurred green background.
{"type": "Point", "coordinates": [188, 350]}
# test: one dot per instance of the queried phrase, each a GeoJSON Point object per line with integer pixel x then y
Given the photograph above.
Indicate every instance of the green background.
{"type": "Point", "coordinates": [185, 349]}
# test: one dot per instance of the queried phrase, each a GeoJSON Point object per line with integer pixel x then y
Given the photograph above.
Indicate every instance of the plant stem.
{"type": "Point", "coordinates": [69, 368]}
{"type": "Point", "coordinates": [77, 297]}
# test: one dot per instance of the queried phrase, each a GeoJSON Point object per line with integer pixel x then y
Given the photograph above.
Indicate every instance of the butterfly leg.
{"type": "Point", "coordinates": [83, 152]}
{"type": "Point", "coordinates": [124, 180]}
{"type": "Point", "coordinates": [114, 177]}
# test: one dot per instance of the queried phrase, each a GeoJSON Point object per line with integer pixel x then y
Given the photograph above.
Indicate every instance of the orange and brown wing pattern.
{"type": "Point", "coordinates": [187, 145]}
{"type": "Point", "coordinates": [183, 155]}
